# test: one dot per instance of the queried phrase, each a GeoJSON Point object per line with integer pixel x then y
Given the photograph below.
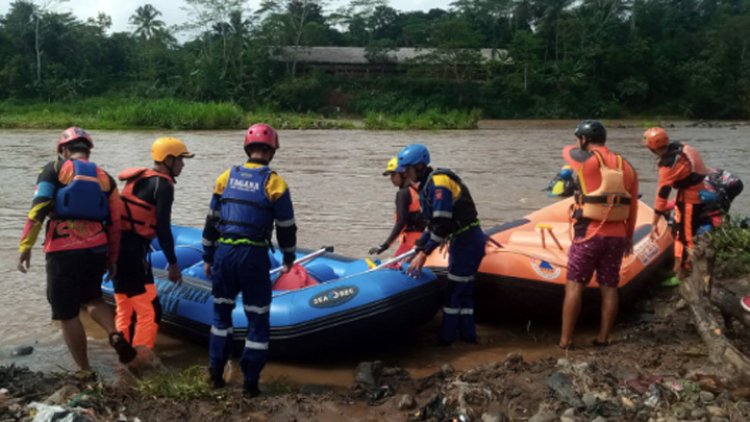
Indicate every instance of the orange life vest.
{"type": "Point", "coordinates": [611, 200]}
{"type": "Point", "coordinates": [139, 215]}
{"type": "Point", "coordinates": [414, 217]}
{"type": "Point", "coordinates": [689, 192]}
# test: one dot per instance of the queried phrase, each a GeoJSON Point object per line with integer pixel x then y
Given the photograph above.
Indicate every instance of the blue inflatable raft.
{"type": "Point", "coordinates": [348, 304]}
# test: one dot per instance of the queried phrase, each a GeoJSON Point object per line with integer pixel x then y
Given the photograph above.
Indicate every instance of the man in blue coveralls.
{"type": "Point", "coordinates": [248, 200]}
{"type": "Point", "coordinates": [452, 217]}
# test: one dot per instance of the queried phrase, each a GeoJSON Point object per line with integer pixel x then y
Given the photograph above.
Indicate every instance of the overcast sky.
{"type": "Point", "coordinates": [172, 13]}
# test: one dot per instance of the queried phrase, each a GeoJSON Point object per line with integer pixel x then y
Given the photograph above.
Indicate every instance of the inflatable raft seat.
{"type": "Point", "coordinates": [533, 238]}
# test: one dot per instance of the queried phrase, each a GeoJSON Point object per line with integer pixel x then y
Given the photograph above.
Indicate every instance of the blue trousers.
{"type": "Point", "coordinates": [241, 269]}
{"type": "Point", "coordinates": [465, 254]}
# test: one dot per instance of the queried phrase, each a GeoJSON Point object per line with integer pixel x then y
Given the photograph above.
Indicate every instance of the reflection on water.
{"type": "Point", "coordinates": [341, 199]}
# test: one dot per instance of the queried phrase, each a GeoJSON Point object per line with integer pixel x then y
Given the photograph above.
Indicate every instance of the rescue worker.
{"type": "Point", "coordinates": [680, 167]}
{"type": "Point", "coordinates": [451, 218]}
{"type": "Point", "coordinates": [408, 222]}
{"type": "Point", "coordinates": [248, 200]}
{"type": "Point", "coordinates": [147, 201]}
{"type": "Point", "coordinates": [604, 216]}
{"type": "Point", "coordinates": [562, 185]}
{"type": "Point", "coordinates": [82, 207]}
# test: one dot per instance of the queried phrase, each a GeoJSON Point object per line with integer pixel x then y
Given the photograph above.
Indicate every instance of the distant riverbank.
{"type": "Point", "coordinates": [123, 113]}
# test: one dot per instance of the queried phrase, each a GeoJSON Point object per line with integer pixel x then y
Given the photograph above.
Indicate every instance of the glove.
{"type": "Point", "coordinates": [377, 250]}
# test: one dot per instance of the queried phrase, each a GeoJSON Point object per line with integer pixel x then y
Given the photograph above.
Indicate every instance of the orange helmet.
{"type": "Point", "coordinates": [655, 138]}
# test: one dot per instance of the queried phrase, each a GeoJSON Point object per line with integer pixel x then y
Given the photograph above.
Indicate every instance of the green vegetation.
{"type": "Point", "coordinates": [191, 383]}
{"type": "Point", "coordinates": [277, 386]}
{"type": "Point", "coordinates": [185, 384]}
{"type": "Point", "coordinates": [107, 113]}
{"type": "Point", "coordinates": [731, 242]}
{"type": "Point", "coordinates": [430, 119]}
{"type": "Point", "coordinates": [285, 120]}
{"type": "Point", "coordinates": [550, 59]}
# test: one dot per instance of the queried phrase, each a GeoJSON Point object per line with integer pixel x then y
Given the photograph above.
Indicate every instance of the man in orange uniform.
{"type": "Point", "coordinates": [147, 198]}
{"type": "Point", "coordinates": [82, 242]}
{"type": "Point", "coordinates": [680, 167]}
{"type": "Point", "coordinates": [408, 221]}
{"type": "Point", "coordinates": [605, 213]}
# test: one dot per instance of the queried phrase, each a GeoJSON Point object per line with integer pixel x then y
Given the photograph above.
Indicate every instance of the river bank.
{"type": "Point", "coordinates": [655, 370]}
{"type": "Point", "coordinates": [172, 114]}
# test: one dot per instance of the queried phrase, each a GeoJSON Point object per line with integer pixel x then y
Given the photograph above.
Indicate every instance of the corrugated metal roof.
{"type": "Point", "coordinates": [358, 55]}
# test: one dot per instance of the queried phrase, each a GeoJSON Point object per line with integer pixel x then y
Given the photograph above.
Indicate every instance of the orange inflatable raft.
{"type": "Point", "coordinates": [524, 269]}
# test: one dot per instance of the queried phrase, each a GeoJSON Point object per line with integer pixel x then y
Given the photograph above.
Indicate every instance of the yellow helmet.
{"type": "Point", "coordinates": [391, 166]}
{"type": "Point", "coordinates": [164, 147]}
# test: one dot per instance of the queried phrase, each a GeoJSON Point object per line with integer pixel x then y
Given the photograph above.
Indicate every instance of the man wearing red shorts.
{"type": "Point", "coordinates": [604, 216]}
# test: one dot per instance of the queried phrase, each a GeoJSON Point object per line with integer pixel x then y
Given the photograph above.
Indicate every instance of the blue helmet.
{"type": "Point", "coordinates": [411, 155]}
{"type": "Point", "coordinates": [566, 173]}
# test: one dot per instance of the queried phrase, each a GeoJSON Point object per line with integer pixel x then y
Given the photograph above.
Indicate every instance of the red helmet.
{"type": "Point", "coordinates": [655, 138]}
{"type": "Point", "coordinates": [71, 134]}
{"type": "Point", "coordinates": [261, 133]}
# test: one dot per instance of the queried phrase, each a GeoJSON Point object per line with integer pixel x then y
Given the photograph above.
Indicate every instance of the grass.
{"type": "Point", "coordinates": [125, 113]}
{"type": "Point", "coordinates": [430, 119]}
{"type": "Point", "coordinates": [191, 383]}
{"type": "Point", "coordinates": [731, 242]}
{"type": "Point", "coordinates": [296, 121]}
{"type": "Point", "coordinates": [184, 384]}
{"type": "Point", "coordinates": [121, 113]}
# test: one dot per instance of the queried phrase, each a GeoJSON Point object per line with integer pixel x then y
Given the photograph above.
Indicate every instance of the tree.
{"type": "Point", "coordinates": [146, 23]}
{"type": "Point", "coordinates": [215, 17]}
{"type": "Point", "coordinates": [490, 18]}
{"type": "Point", "coordinates": [290, 23]}
{"type": "Point", "coordinates": [102, 21]}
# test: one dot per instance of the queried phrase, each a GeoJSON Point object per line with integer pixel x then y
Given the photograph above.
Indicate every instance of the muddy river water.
{"type": "Point", "coordinates": [341, 199]}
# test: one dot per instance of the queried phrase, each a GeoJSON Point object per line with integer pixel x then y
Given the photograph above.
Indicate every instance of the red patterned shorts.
{"type": "Point", "coordinates": [600, 254]}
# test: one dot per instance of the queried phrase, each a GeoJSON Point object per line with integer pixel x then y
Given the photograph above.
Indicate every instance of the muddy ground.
{"type": "Point", "coordinates": [656, 370]}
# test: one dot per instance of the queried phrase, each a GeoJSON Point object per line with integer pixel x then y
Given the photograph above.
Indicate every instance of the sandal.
{"type": "Point", "coordinates": [566, 348]}
{"type": "Point", "coordinates": [597, 343]}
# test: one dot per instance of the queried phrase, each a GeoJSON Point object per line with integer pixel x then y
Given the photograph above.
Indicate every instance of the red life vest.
{"type": "Point", "coordinates": [139, 215]}
{"type": "Point", "coordinates": [70, 228]}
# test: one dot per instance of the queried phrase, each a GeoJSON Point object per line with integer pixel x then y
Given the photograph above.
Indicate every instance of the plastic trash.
{"type": "Point", "coordinates": [47, 413]}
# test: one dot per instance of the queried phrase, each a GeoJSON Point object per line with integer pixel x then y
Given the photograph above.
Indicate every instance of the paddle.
{"type": "Point", "coordinates": [305, 258]}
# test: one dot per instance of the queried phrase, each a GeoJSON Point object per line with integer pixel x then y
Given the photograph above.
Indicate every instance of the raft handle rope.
{"type": "Point", "coordinates": [499, 248]}
{"type": "Point", "coordinates": [308, 257]}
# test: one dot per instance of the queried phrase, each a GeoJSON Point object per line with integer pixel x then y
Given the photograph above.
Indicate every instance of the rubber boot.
{"type": "Point", "coordinates": [250, 390]}
{"type": "Point", "coordinates": [216, 378]}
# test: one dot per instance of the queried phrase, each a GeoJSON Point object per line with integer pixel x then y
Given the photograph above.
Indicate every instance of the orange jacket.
{"type": "Point", "coordinates": [585, 163]}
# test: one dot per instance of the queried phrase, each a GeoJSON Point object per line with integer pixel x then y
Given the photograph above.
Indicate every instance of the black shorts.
{"type": "Point", "coordinates": [133, 266]}
{"type": "Point", "coordinates": [74, 278]}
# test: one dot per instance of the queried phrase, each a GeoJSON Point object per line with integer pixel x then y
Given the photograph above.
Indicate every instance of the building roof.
{"type": "Point", "coordinates": [358, 55]}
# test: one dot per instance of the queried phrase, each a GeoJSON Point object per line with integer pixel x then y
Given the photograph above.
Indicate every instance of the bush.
{"type": "Point", "coordinates": [731, 242]}
{"type": "Point", "coordinates": [430, 119]}
{"type": "Point", "coordinates": [122, 113]}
